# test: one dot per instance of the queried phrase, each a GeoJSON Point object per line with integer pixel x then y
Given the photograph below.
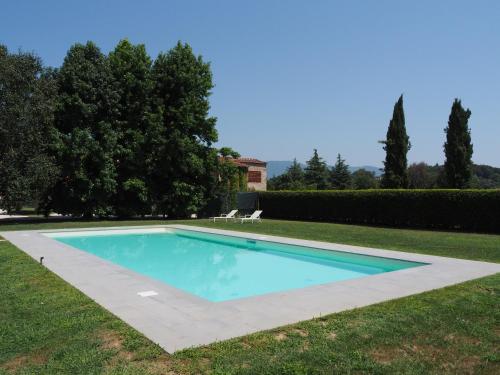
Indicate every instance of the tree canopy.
{"type": "Point", "coordinates": [87, 104]}
{"type": "Point", "coordinates": [183, 164]}
{"type": "Point", "coordinates": [115, 134]}
{"type": "Point", "coordinates": [27, 100]}
{"type": "Point", "coordinates": [134, 123]}
{"type": "Point", "coordinates": [340, 176]}
{"type": "Point", "coordinates": [316, 172]}
{"type": "Point", "coordinates": [292, 179]}
{"type": "Point", "coordinates": [363, 179]}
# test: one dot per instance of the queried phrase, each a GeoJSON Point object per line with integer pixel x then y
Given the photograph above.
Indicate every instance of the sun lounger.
{"type": "Point", "coordinates": [251, 218]}
{"type": "Point", "coordinates": [225, 216]}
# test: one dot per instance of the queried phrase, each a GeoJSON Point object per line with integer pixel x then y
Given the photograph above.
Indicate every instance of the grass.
{"type": "Point", "coordinates": [50, 327]}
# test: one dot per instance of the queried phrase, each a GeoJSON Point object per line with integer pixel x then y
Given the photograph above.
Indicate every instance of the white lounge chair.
{"type": "Point", "coordinates": [225, 216]}
{"type": "Point", "coordinates": [253, 217]}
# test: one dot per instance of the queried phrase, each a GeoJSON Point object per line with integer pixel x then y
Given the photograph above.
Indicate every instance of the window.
{"type": "Point", "coordinates": [254, 176]}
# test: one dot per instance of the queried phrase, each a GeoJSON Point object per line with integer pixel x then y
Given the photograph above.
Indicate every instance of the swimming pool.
{"type": "Point", "coordinates": [221, 268]}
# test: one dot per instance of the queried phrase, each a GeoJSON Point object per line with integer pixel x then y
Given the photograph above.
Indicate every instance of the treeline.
{"type": "Point", "coordinates": [458, 170]}
{"type": "Point", "coordinates": [117, 134]}
{"type": "Point", "coordinates": [318, 176]}
{"type": "Point", "coordinates": [420, 176]}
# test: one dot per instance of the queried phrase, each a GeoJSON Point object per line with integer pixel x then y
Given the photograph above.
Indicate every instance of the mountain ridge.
{"type": "Point", "coordinates": [278, 167]}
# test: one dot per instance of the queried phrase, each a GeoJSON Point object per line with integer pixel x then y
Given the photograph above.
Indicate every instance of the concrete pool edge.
{"type": "Point", "coordinates": [176, 320]}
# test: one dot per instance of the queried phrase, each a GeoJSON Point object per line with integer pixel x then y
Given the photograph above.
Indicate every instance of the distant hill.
{"type": "Point", "coordinates": [277, 167]}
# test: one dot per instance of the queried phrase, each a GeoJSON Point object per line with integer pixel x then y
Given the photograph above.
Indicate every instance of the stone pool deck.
{"type": "Point", "coordinates": [177, 320]}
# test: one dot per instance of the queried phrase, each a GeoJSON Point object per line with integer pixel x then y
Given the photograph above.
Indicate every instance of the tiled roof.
{"type": "Point", "coordinates": [234, 161]}
{"type": "Point", "coordinates": [247, 161]}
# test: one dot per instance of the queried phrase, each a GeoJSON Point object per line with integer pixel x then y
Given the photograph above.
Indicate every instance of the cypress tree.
{"type": "Point", "coordinates": [396, 146]}
{"type": "Point", "coordinates": [316, 172]}
{"type": "Point", "coordinates": [458, 147]}
{"type": "Point", "coordinates": [340, 177]}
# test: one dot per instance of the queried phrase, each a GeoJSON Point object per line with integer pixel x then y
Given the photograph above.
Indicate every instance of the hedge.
{"type": "Point", "coordinates": [468, 210]}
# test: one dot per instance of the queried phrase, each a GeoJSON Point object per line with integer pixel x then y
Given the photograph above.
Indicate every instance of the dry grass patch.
{"type": "Point", "coordinates": [15, 364]}
{"type": "Point", "coordinates": [331, 336]}
{"type": "Point", "coordinates": [300, 332]}
{"type": "Point", "coordinates": [280, 336]}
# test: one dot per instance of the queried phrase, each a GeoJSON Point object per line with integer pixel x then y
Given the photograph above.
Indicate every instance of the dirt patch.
{"type": "Point", "coordinates": [300, 332]}
{"type": "Point", "coordinates": [245, 345]}
{"type": "Point", "coordinates": [448, 359]}
{"type": "Point", "coordinates": [385, 356]}
{"type": "Point", "coordinates": [112, 340]}
{"type": "Point", "coordinates": [280, 336]}
{"type": "Point", "coordinates": [160, 367]}
{"type": "Point", "coordinates": [304, 347]}
{"type": "Point", "coordinates": [457, 339]}
{"type": "Point", "coordinates": [18, 362]}
{"type": "Point", "coordinates": [331, 336]}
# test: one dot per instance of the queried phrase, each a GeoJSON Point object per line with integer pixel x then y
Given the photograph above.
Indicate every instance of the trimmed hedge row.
{"type": "Point", "coordinates": [470, 210]}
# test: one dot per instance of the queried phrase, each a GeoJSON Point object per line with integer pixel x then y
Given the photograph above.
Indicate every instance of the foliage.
{"type": "Point", "coordinates": [231, 179]}
{"type": "Point", "coordinates": [292, 179]}
{"type": "Point", "coordinates": [363, 179]}
{"type": "Point", "coordinates": [27, 93]}
{"type": "Point", "coordinates": [396, 147]}
{"type": "Point", "coordinates": [182, 166]}
{"type": "Point", "coordinates": [458, 147]}
{"type": "Point", "coordinates": [471, 210]}
{"type": "Point", "coordinates": [423, 176]}
{"type": "Point", "coordinates": [316, 172]}
{"type": "Point", "coordinates": [129, 137]}
{"type": "Point", "coordinates": [340, 176]}
{"type": "Point", "coordinates": [486, 177]}
{"type": "Point", "coordinates": [86, 107]}
{"type": "Point", "coordinates": [131, 69]}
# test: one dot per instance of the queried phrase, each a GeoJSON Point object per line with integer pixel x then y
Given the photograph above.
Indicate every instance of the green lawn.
{"type": "Point", "coordinates": [47, 326]}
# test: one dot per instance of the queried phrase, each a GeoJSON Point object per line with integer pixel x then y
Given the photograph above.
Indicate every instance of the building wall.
{"type": "Point", "coordinates": [253, 185]}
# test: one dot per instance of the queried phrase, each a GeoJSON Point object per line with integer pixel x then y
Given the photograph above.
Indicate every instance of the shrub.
{"type": "Point", "coordinates": [470, 210]}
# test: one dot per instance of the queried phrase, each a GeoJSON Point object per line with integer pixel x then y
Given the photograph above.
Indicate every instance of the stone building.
{"type": "Point", "coordinates": [256, 172]}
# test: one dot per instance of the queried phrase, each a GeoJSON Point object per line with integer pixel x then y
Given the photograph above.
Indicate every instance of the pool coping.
{"type": "Point", "coordinates": [176, 320]}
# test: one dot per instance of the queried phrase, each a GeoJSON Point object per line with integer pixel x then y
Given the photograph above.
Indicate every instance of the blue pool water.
{"type": "Point", "coordinates": [220, 268]}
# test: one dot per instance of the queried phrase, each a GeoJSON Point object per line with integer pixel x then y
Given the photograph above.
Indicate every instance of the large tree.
{"type": "Point", "coordinates": [458, 147]}
{"type": "Point", "coordinates": [340, 176]}
{"type": "Point", "coordinates": [183, 163]}
{"type": "Point", "coordinates": [87, 105]}
{"type": "Point", "coordinates": [363, 179]}
{"type": "Point", "coordinates": [27, 92]}
{"type": "Point", "coordinates": [316, 172]}
{"type": "Point", "coordinates": [396, 147]}
{"type": "Point", "coordinates": [423, 176]}
{"type": "Point", "coordinates": [131, 69]}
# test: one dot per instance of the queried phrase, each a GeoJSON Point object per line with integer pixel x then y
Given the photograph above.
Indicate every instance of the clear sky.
{"type": "Point", "coordinates": [296, 75]}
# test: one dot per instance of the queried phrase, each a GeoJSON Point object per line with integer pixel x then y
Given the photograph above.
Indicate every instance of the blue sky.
{"type": "Point", "coordinates": [296, 75]}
